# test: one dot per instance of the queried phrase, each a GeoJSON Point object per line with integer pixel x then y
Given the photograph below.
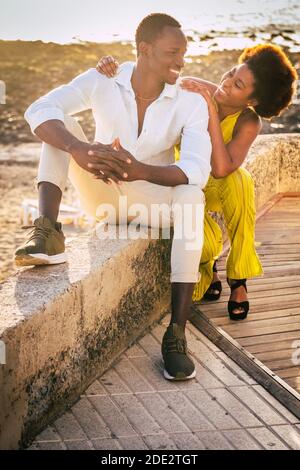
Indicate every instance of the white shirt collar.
{"type": "Point", "coordinates": [124, 78]}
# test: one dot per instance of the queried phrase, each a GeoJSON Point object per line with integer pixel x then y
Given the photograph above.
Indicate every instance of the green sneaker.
{"type": "Point", "coordinates": [46, 244]}
{"type": "Point", "coordinates": [178, 365]}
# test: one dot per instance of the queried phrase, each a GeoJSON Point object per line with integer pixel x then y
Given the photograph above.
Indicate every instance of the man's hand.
{"type": "Point", "coordinates": [101, 160]}
{"type": "Point", "coordinates": [106, 162]}
{"type": "Point", "coordinates": [123, 160]}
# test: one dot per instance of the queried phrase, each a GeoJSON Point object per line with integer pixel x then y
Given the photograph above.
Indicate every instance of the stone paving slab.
{"type": "Point", "coordinates": [131, 406]}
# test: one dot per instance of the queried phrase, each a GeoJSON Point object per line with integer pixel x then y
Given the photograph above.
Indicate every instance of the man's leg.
{"type": "Point", "coordinates": [186, 205]}
{"type": "Point", "coordinates": [188, 220]}
{"type": "Point", "coordinates": [49, 200]}
{"type": "Point", "coordinates": [188, 217]}
{"type": "Point", "coordinates": [181, 299]}
{"type": "Point", "coordinates": [46, 242]}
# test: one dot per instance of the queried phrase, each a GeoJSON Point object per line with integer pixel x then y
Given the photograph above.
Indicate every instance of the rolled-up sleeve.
{"type": "Point", "coordinates": [67, 99]}
{"type": "Point", "coordinates": [195, 148]}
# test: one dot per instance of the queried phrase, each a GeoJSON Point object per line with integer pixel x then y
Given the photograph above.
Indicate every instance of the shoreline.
{"type": "Point", "coordinates": [286, 34]}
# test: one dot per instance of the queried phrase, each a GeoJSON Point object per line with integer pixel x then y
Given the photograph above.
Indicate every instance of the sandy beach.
{"type": "Point", "coordinates": [29, 70]}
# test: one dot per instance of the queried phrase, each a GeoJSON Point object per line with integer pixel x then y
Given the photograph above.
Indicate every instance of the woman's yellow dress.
{"type": "Point", "coordinates": [233, 196]}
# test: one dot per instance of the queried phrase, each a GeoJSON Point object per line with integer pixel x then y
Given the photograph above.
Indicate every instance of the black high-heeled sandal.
{"type": "Point", "coordinates": [232, 305]}
{"type": "Point", "coordinates": [214, 286]}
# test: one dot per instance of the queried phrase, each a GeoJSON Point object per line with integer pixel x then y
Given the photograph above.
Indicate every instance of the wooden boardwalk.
{"type": "Point", "coordinates": [271, 333]}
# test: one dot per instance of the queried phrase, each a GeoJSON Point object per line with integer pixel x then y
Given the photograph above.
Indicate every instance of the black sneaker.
{"type": "Point", "coordinates": [178, 365]}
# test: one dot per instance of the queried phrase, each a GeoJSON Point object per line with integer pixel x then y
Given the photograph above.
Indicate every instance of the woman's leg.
{"type": "Point", "coordinates": [236, 193]}
{"type": "Point", "coordinates": [212, 249]}
{"type": "Point", "coordinates": [212, 246]}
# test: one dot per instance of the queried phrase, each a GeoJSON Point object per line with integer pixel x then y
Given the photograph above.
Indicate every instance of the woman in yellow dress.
{"type": "Point", "coordinates": [260, 85]}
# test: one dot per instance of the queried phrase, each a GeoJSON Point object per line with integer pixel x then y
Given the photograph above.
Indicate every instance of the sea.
{"type": "Point", "coordinates": [210, 24]}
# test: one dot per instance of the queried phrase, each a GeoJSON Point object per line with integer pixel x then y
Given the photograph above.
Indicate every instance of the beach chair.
{"type": "Point", "coordinates": [67, 214]}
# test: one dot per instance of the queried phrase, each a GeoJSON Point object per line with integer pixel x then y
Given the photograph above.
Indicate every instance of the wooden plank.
{"type": "Point", "coordinates": [286, 210]}
{"type": "Point", "coordinates": [269, 205]}
{"type": "Point", "coordinates": [292, 255]}
{"type": "Point", "coordinates": [270, 272]}
{"type": "Point", "coordinates": [276, 346]}
{"type": "Point", "coordinates": [277, 317]}
{"type": "Point", "coordinates": [273, 314]}
{"type": "Point", "coordinates": [284, 213]}
{"type": "Point", "coordinates": [273, 222]}
{"type": "Point", "coordinates": [287, 373]}
{"type": "Point", "coordinates": [269, 236]}
{"type": "Point", "coordinates": [267, 293]}
{"type": "Point", "coordinates": [257, 325]}
{"type": "Point", "coordinates": [279, 265]}
{"type": "Point", "coordinates": [272, 383]}
{"type": "Point", "coordinates": [285, 364]}
{"type": "Point", "coordinates": [245, 333]}
{"type": "Point", "coordinates": [283, 248]}
{"type": "Point", "coordinates": [273, 325]}
{"type": "Point", "coordinates": [294, 382]}
{"type": "Point", "coordinates": [222, 312]}
{"type": "Point", "coordinates": [257, 297]}
{"type": "Point", "coordinates": [276, 355]}
{"type": "Point", "coordinates": [284, 266]}
{"type": "Point", "coordinates": [268, 284]}
{"type": "Point", "coordinates": [256, 305]}
{"type": "Point", "coordinates": [271, 338]}
{"type": "Point", "coordinates": [261, 281]}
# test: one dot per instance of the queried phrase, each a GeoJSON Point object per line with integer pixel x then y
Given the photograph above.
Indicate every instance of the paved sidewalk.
{"type": "Point", "coordinates": [133, 407]}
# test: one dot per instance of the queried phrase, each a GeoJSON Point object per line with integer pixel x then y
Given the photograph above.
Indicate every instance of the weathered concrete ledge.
{"type": "Point", "coordinates": [64, 325]}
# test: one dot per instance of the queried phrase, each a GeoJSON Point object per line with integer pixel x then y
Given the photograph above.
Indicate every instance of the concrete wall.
{"type": "Point", "coordinates": [274, 163]}
{"type": "Point", "coordinates": [63, 326]}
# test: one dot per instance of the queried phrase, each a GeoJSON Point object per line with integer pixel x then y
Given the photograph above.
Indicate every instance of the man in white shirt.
{"type": "Point", "coordinates": [139, 115]}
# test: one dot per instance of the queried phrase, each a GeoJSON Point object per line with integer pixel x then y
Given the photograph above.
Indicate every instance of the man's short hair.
{"type": "Point", "coordinates": [152, 26]}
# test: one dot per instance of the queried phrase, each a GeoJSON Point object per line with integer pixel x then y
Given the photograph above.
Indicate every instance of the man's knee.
{"type": "Point", "coordinates": [188, 194]}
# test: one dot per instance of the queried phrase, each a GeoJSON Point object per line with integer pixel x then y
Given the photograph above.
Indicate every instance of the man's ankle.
{"type": "Point", "coordinates": [179, 323]}
{"type": "Point", "coordinates": [50, 217]}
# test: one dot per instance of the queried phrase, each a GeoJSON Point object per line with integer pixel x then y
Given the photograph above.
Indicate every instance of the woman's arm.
{"type": "Point", "coordinates": [225, 159]}
{"type": "Point", "coordinates": [108, 66]}
{"type": "Point", "coordinates": [211, 87]}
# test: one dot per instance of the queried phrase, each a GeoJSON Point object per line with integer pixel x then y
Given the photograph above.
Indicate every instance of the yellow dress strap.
{"type": "Point", "coordinates": [227, 126]}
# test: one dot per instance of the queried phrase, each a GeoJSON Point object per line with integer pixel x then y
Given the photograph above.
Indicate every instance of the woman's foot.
{"type": "Point", "coordinates": [214, 280]}
{"type": "Point", "coordinates": [215, 288]}
{"type": "Point", "coordinates": [238, 305]}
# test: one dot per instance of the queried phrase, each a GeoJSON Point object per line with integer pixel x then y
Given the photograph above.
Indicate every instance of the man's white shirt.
{"type": "Point", "coordinates": [176, 116]}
